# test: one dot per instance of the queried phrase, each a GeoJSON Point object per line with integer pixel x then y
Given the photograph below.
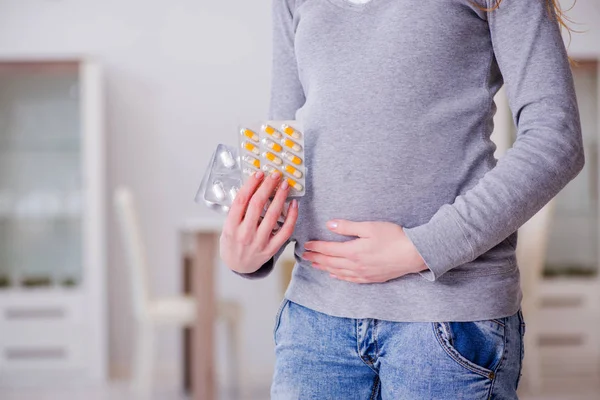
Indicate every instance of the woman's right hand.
{"type": "Point", "coordinates": [247, 243]}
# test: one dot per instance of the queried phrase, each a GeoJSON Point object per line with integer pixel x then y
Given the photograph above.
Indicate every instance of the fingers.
{"type": "Point", "coordinates": [279, 239]}
{"type": "Point", "coordinates": [343, 274]}
{"type": "Point", "coordinates": [350, 228]}
{"type": "Point", "coordinates": [259, 199]}
{"type": "Point", "coordinates": [329, 262]}
{"type": "Point", "coordinates": [238, 208]}
{"type": "Point", "coordinates": [334, 249]}
{"type": "Point", "coordinates": [274, 211]}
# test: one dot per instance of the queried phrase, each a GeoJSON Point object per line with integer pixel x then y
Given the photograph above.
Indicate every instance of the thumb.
{"type": "Point", "coordinates": [350, 228]}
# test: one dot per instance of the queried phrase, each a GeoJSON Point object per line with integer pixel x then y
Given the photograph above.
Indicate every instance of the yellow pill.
{"type": "Point", "coordinates": [293, 171]}
{"type": "Point", "coordinates": [290, 131]}
{"type": "Point", "coordinates": [294, 184]}
{"type": "Point", "coordinates": [249, 134]}
{"type": "Point", "coordinates": [292, 145]}
{"type": "Point", "coordinates": [250, 147]}
{"type": "Point", "coordinates": [272, 157]}
{"type": "Point", "coordinates": [272, 131]}
{"type": "Point", "coordinates": [252, 161]}
{"type": "Point", "coordinates": [272, 145]}
{"type": "Point", "coordinates": [295, 159]}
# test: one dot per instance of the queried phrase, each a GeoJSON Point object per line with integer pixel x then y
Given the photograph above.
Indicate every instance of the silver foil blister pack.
{"type": "Point", "coordinates": [222, 179]}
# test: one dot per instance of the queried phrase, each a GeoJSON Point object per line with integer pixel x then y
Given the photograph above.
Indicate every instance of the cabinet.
{"type": "Point", "coordinates": [52, 215]}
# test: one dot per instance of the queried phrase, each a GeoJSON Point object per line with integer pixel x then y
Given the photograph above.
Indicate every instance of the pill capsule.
{"type": "Point", "coordinates": [249, 134]}
{"type": "Point", "coordinates": [272, 145]}
{"type": "Point", "coordinates": [252, 161]}
{"type": "Point", "coordinates": [269, 169]}
{"type": "Point", "coordinates": [218, 190]}
{"type": "Point", "coordinates": [248, 171]}
{"type": "Point", "coordinates": [290, 131]}
{"type": "Point", "coordinates": [227, 159]}
{"type": "Point", "coordinates": [250, 147]}
{"type": "Point", "coordinates": [233, 193]}
{"type": "Point", "coordinates": [272, 157]}
{"type": "Point", "coordinates": [295, 184]}
{"type": "Point", "coordinates": [268, 129]}
{"type": "Point", "coordinates": [293, 171]}
{"type": "Point", "coordinates": [295, 159]}
{"type": "Point", "coordinates": [291, 144]}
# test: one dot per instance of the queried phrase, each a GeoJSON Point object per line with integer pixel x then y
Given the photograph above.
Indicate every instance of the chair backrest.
{"type": "Point", "coordinates": [531, 252]}
{"type": "Point", "coordinates": [134, 250]}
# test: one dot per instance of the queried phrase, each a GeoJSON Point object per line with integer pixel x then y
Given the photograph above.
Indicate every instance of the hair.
{"type": "Point", "coordinates": [555, 10]}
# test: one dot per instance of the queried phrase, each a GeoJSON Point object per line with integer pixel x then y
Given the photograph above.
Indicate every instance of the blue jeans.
{"type": "Point", "coordinates": [324, 357]}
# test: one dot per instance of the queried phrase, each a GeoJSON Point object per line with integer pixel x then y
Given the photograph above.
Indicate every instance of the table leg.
{"type": "Point", "coordinates": [187, 332]}
{"type": "Point", "coordinates": [203, 360]}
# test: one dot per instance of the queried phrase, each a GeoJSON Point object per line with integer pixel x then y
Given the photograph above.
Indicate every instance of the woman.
{"type": "Point", "coordinates": [406, 284]}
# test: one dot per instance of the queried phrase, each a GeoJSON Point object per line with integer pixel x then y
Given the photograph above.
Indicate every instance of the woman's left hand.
{"type": "Point", "coordinates": [381, 252]}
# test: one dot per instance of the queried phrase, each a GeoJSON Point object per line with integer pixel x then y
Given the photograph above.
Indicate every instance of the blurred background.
{"type": "Point", "coordinates": [110, 287]}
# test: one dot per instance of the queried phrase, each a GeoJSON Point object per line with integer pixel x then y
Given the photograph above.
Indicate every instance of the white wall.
{"type": "Point", "coordinates": [586, 20]}
{"type": "Point", "coordinates": [180, 74]}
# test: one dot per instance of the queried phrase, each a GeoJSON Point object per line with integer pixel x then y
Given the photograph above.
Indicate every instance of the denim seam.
{"type": "Point", "coordinates": [284, 302]}
{"type": "Point", "coordinates": [358, 352]}
{"type": "Point", "coordinates": [375, 388]}
{"type": "Point", "coordinates": [460, 360]}
{"type": "Point", "coordinates": [499, 322]}
{"type": "Point", "coordinates": [375, 338]}
{"type": "Point", "coordinates": [504, 355]}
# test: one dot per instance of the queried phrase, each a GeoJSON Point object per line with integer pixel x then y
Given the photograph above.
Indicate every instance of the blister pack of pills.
{"type": "Point", "coordinates": [222, 180]}
{"type": "Point", "coordinates": [274, 146]}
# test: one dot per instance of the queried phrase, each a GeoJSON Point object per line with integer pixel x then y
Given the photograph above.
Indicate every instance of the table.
{"type": "Point", "coordinates": [205, 233]}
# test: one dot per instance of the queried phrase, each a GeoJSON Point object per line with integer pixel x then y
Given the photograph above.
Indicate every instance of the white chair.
{"type": "Point", "coordinates": [148, 312]}
{"type": "Point", "coordinates": [531, 255]}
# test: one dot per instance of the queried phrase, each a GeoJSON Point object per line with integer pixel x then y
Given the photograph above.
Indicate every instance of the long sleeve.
{"type": "Point", "coordinates": [547, 154]}
{"type": "Point", "coordinates": [287, 95]}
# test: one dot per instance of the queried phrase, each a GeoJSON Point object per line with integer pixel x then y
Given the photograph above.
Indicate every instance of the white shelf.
{"type": "Point", "coordinates": [52, 221]}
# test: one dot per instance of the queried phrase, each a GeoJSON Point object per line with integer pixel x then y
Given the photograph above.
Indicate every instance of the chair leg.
{"type": "Point", "coordinates": [143, 362]}
{"type": "Point", "coordinates": [233, 356]}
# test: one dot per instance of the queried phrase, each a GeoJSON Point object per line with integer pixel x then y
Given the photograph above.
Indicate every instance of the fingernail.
{"type": "Point", "coordinates": [294, 203]}
{"type": "Point", "coordinates": [275, 175]}
{"type": "Point", "coordinates": [259, 174]}
{"type": "Point", "coordinates": [332, 225]}
{"type": "Point", "coordinates": [284, 185]}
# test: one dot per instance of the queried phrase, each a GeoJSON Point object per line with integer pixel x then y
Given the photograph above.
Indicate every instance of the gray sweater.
{"type": "Point", "coordinates": [397, 102]}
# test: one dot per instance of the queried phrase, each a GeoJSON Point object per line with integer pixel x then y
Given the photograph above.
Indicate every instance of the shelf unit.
{"type": "Point", "coordinates": [52, 216]}
{"type": "Point", "coordinates": [569, 317]}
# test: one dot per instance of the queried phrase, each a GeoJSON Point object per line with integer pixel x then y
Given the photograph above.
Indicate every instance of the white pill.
{"type": "Point", "coordinates": [233, 193]}
{"type": "Point", "coordinates": [227, 159]}
{"type": "Point", "coordinates": [218, 190]}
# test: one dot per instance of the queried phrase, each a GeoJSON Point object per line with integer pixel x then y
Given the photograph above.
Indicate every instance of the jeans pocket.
{"type": "Point", "coordinates": [477, 346]}
{"type": "Point", "coordinates": [284, 303]}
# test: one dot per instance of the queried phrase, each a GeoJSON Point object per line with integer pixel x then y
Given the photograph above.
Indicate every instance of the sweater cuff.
{"type": "Point", "coordinates": [442, 243]}
{"type": "Point", "coordinates": [260, 273]}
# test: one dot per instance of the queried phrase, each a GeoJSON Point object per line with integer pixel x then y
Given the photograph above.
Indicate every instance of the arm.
{"type": "Point", "coordinates": [287, 95]}
{"type": "Point", "coordinates": [547, 154]}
